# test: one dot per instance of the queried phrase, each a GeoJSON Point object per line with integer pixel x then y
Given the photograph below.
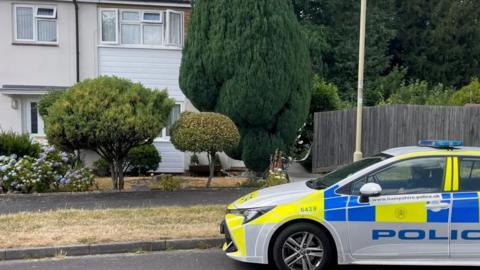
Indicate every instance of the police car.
{"type": "Point", "coordinates": [406, 206]}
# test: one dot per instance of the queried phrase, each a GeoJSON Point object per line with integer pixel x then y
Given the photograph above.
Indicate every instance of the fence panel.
{"type": "Point", "coordinates": [387, 127]}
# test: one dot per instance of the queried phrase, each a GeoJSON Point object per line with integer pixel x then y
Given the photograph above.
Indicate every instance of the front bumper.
{"type": "Point", "coordinates": [244, 242]}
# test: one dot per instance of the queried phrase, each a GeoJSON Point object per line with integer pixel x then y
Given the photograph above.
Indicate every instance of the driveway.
{"type": "Point", "coordinates": [47, 202]}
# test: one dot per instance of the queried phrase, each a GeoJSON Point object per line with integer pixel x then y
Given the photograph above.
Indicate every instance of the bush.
{"type": "Point", "coordinates": [110, 116]}
{"type": "Point", "coordinates": [170, 183]}
{"type": "Point", "coordinates": [470, 93]}
{"type": "Point", "coordinates": [19, 145]}
{"type": "Point", "coordinates": [421, 93]}
{"type": "Point", "coordinates": [101, 168]}
{"type": "Point", "coordinates": [51, 171]}
{"type": "Point", "coordinates": [47, 100]}
{"type": "Point", "coordinates": [253, 182]}
{"type": "Point", "coordinates": [205, 132]}
{"type": "Point", "coordinates": [142, 159]}
{"type": "Point", "coordinates": [194, 160]}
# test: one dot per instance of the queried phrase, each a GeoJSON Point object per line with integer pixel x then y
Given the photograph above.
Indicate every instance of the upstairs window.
{"type": "Point", "coordinates": [36, 24]}
{"type": "Point", "coordinates": [142, 28]}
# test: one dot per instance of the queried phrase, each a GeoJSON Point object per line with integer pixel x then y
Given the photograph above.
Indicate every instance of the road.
{"type": "Point", "coordinates": [171, 260]}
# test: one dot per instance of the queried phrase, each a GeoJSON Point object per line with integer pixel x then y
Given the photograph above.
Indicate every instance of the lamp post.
{"type": "Point", "coordinates": [361, 64]}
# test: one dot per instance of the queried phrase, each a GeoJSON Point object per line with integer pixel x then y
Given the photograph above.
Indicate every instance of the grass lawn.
{"type": "Point", "coordinates": [105, 183]}
{"type": "Point", "coordinates": [112, 225]}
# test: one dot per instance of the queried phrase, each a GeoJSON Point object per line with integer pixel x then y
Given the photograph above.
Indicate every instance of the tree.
{"type": "Point", "coordinates": [421, 93]}
{"type": "Point", "coordinates": [205, 132]}
{"type": "Point", "coordinates": [248, 59]}
{"type": "Point", "coordinates": [470, 93]}
{"type": "Point", "coordinates": [337, 26]}
{"type": "Point", "coordinates": [110, 116]}
{"type": "Point", "coordinates": [438, 41]}
{"type": "Point", "coordinates": [47, 100]}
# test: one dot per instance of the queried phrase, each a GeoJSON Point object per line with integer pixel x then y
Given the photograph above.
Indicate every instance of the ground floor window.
{"type": "Point", "coordinates": [174, 116]}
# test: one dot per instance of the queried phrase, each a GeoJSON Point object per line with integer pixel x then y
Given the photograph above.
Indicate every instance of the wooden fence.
{"type": "Point", "coordinates": [387, 127]}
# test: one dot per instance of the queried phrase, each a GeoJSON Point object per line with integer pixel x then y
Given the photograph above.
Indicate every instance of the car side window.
{"type": "Point", "coordinates": [413, 176]}
{"type": "Point", "coordinates": [469, 174]}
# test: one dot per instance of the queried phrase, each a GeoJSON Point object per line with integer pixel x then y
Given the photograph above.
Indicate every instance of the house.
{"type": "Point", "coordinates": [50, 45]}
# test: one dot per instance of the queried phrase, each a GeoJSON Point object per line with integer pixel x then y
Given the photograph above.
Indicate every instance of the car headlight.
{"type": "Point", "coordinates": [250, 213]}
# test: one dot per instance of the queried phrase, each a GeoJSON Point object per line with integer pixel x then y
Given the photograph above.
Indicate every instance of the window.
{"type": "Point", "coordinates": [139, 28]}
{"type": "Point", "coordinates": [172, 118]}
{"type": "Point", "coordinates": [109, 26]}
{"type": "Point", "coordinates": [175, 24]}
{"type": "Point", "coordinates": [35, 23]}
{"type": "Point", "coordinates": [414, 176]}
{"type": "Point", "coordinates": [469, 174]}
{"type": "Point", "coordinates": [33, 118]}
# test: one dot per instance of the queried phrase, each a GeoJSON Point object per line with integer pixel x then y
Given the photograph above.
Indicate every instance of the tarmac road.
{"type": "Point", "coordinates": [212, 259]}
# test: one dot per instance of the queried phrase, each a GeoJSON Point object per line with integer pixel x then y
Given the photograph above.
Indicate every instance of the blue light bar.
{"type": "Point", "coordinates": [443, 144]}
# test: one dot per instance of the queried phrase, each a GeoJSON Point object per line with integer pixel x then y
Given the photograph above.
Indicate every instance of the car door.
{"type": "Point", "coordinates": [410, 217]}
{"type": "Point", "coordinates": [465, 221]}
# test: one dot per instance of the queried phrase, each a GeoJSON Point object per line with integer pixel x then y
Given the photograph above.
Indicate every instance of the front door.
{"type": "Point", "coordinates": [409, 219]}
{"type": "Point", "coordinates": [465, 222]}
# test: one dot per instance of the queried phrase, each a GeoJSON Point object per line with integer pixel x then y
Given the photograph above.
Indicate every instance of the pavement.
{"type": "Point", "coordinates": [297, 173]}
{"type": "Point", "coordinates": [170, 260]}
{"type": "Point", "coordinates": [137, 199]}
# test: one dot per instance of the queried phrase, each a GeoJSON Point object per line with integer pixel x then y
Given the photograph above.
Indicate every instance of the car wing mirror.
{"type": "Point", "coordinates": [370, 190]}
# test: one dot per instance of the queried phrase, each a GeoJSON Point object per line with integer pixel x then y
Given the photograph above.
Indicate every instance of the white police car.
{"type": "Point", "coordinates": [406, 206]}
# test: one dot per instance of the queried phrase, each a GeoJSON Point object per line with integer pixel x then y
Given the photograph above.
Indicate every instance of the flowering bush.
{"type": "Point", "coordinates": [52, 170]}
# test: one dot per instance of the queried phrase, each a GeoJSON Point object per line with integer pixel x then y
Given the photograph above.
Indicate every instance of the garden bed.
{"type": "Point", "coordinates": [70, 227]}
{"type": "Point", "coordinates": [153, 182]}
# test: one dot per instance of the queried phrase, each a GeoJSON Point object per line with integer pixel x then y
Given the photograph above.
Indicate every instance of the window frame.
{"type": "Point", "coordinates": [53, 16]}
{"type": "Point", "coordinates": [163, 23]}
{"type": "Point", "coordinates": [35, 19]}
{"type": "Point", "coordinates": [347, 188]}
{"type": "Point", "coordinates": [100, 13]}
{"type": "Point", "coordinates": [167, 24]}
{"type": "Point", "coordinates": [163, 134]}
{"type": "Point", "coordinates": [459, 173]}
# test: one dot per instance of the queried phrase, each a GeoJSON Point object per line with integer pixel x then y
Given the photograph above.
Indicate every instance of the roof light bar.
{"type": "Point", "coordinates": [443, 144]}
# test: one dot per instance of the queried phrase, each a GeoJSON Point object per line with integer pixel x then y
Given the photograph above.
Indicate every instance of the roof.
{"type": "Point", "coordinates": [415, 149]}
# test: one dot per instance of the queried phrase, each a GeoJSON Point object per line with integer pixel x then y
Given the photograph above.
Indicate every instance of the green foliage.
{"type": "Point", "coordinates": [20, 145]}
{"type": "Point", "coordinates": [170, 183]}
{"type": "Point", "coordinates": [470, 93]}
{"type": "Point", "coordinates": [204, 132]}
{"type": "Point", "coordinates": [51, 171]}
{"type": "Point", "coordinates": [337, 24]}
{"type": "Point", "coordinates": [381, 89]}
{"type": "Point", "coordinates": [194, 160]}
{"type": "Point", "coordinates": [108, 115]}
{"type": "Point", "coordinates": [420, 92]}
{"type": "Point", "coordinates": [438, 41]}
{"type": "Point", "coordinates": [248, 59]}
{"type": "Point", "coordinates": [324, 98]}
{"type": "Point", "coordinates": [253, 182]}
{"type": "Point", "coordinates": [101, 168]}
{"type": "Point", "coordinates": [142, 159]}
{"type": "Point", "coordinates": [47, 100]}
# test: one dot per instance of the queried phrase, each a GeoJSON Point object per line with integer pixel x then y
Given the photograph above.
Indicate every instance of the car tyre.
{"type": "Point", "coordinates": [303, 246]}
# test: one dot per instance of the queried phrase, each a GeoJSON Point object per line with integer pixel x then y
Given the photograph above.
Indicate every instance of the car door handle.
{"type": "Point", "coordinates": [437, 206]}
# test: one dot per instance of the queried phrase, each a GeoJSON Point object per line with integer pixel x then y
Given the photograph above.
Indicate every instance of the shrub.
{"type": "Point", "coordinates": [170, 183]}
{"type": "Point", "coordinates": [470, 93]}
{"type": "Point", "coordinates": [110, 116]}
{"type": "Point", "coordinates": [421, 93]}
{"type": "Point", "coordinates": [253, 182]}
{"type": "Point", "coordinates": [77, 181]}
{"type": "Point", "coordinates": [205, 132]}
{"type": "Point", "coordinates": [194, 160]}
{"type": "Point", "coordinates": [19, 145]}
{"type": "Point", "coordinates": [142, 159]}
{"type": "Point", "coordinates": [101, 168]}
{"type": "Point", "coordinates": [47, 100]}
{"type": "Point", "coordinates": [50, 171]}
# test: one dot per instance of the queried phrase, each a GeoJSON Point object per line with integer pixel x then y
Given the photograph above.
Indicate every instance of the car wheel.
{"type": "Point", "coordinates": [303, 246]}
